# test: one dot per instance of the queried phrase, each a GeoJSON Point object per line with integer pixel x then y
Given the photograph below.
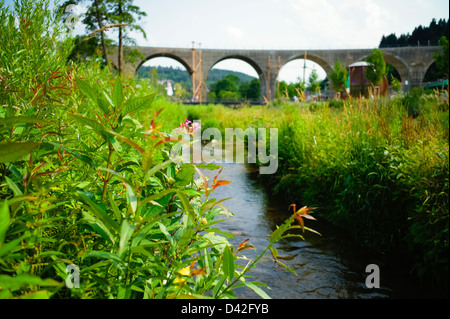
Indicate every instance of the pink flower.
{"type": "Point", "coordinates": [191, 127]}
{"type": "Point", "coordinates": [186, 123]}
{"type": "Point", "coordinates": [195, 127]}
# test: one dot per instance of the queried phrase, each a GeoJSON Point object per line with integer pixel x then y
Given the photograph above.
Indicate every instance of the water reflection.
{"type": "Point", "coordinates": [326, 267]}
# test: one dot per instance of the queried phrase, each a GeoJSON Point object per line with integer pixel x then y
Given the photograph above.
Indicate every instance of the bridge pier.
{"type": "Point", "coordinates": [416, 75]}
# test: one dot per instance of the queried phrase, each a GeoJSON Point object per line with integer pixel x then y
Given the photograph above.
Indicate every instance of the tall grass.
{"type": "Point", "coordinates": [91, 205]}
{"type": "Point", "coordinates": [378, 168]}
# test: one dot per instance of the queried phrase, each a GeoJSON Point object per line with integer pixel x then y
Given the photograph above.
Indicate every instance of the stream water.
{"type": "Point", "coordinates": [327, 266]}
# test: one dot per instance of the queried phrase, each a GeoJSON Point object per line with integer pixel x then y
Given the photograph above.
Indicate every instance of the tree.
{"type": "Point", "coordinates": [254, 90]}
{"type": "Point", "coordinates": [389, 41]}
{"type": "Point", "coordinates": [403, 40]}
{"type": "Point", "coordinates": [153, 76]}
{"type": "Point", "coordinates": [83, 49]}
{"type": "Point", "coordinates": [441, 60]}
{"type": "Point", "coordinates": [230, 89]}
{"type": "Point", "coordinates": [98, 10]}
{"type": "Point", "coordinates": [95, 19]}
{"type": "Point", "coordinates": [420, 36]}
{"type": "Point", "coordinates": [395, 84]}
{"type": "Point", "coordinates": [243, 89]}
{"type": "Point", "coordinates": [125, 14]}
{"type": "Point", "coordinates": [179, 91]}
{"type": "Point", "coordinates": [228, 84]}
{"type": "Point", "coordinates": [228, 96]}
{"type": "Point", "coordinates": [377, 67]}
{"type": "Point", "coordinates": [338, 76]}
{"type": "Point", "coordinates": [313, 82]}
{"type": "Point", "coordinates": [120, 13]}
{"type": "Point", "coordinates": [234, 78]}
{"type": "Point", "coordinates": [290, 90]}
{"type": "Point", "coordinates": [391, 72]}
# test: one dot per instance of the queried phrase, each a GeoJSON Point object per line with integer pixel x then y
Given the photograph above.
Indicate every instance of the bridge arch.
{"type": "Point", "coordinates": [311, 57]}
{"type": "Point", "coordinates": [430, 67]}
{"type": "Point", "coordinates": [166, 55]}
{"type": "Point", "coordinates": [399, 65]}
{"type": "Point", "coordinates": [248, 60]}
{"type": "Point", "coordinates": [410, 62]}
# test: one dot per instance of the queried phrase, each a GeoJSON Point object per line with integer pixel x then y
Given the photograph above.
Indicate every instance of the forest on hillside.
{"type": "Point", "coordinates": [234, 85]}
{"type": "Point", "coordinates": [420, 36]}
{"type": "Point", "coordinates": [179, 75]}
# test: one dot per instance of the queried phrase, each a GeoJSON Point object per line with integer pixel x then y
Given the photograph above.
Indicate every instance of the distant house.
{"type": "Point", "coordinates": [168, 84]}
{"type": "Point", "coordinates": [359, 85]}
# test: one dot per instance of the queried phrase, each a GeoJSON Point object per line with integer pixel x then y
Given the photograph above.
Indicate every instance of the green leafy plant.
{"type": "Point", "coordinates": [98, 190]}
{"type": "Point", "coordinates": [377, 67]}
{"type": "Point", "coordinates": [377, 168]}
{"type": "Point", "coordinates": [338, 76]}
{"type": "Point", "coordinates": [88, 180]}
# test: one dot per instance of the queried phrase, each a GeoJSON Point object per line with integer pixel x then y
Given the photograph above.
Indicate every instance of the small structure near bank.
{"type": "Point", "coordinates": [359, 85]}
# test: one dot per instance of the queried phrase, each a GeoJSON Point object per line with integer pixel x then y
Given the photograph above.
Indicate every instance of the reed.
{"type": "Point", "coordinates": [378, 168]}
{"type": "Point", "coordinates": [91, 203]}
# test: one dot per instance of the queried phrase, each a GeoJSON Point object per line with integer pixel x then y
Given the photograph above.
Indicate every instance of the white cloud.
{"type": "Point", "coordinates": [235, 32]}
{"type": "Point", "coordinates": [341, 24]}
{"type": "Point", "coordinates": [305, 24]}
{"type": "Point", "coordinates": [288, 22]}
{"type": "Point", "coordinates": [377, 17]}
{"type": "Point", "coordinates": [321, 19]}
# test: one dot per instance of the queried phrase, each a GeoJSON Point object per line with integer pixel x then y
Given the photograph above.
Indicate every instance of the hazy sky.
{"type": "Point", "coordinates": [282, 24]}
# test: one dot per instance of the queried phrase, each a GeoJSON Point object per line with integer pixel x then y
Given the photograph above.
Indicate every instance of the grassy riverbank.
{"type": "Point", "coordinates": [378, 169]}
{"type": "Point", "coordinates": [91, 203]}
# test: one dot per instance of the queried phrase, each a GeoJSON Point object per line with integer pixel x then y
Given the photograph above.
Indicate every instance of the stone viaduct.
{"type": "Point", "coordinates": [411, 62]}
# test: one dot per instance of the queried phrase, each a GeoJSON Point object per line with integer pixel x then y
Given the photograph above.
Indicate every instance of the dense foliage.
{"type": "Point", "coordinates": [421, 35]}
{"type": "Point", "coordinates": [235, 86]}
{"type": "Point", "coordinates": [230, 88]}
{"type": "Point", "coordinates": [87, 181]}
{"type": "Point", "coordinates": [92, 205]}
{"type": "Point", "coordinates": [377, 67]}
{"type": "Point", "coordinates": [180, 75]}
{"type": "Point", "coordinates": [377, 168]}
{"type": "Point", "coordinates": [338, 76]}
{"type": "Point", "coordinates": [99, 17]}
{"type": "Point", "coordinates": [441, 59]}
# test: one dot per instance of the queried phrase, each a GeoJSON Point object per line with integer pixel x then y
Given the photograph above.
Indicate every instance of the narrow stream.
{"type": "Point", "coordinates": [327, 266]}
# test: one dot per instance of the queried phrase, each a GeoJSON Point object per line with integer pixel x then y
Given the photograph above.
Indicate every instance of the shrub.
{"type": "Point", "coordinates": [88, 184]}
{"type": "Point", "coordinates": [371, 166]}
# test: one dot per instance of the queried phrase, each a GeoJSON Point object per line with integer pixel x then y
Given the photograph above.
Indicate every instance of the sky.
{"type": "Point", "coordinates": [282, 24]}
